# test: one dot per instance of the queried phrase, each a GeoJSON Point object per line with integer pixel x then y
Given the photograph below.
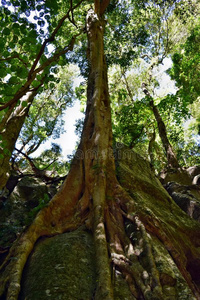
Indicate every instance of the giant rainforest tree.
{"type": "Point", "coordinates": [129, 229]}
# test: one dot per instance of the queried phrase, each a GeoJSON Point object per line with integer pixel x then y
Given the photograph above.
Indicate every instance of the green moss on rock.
{"type": "Point", "coordinates": [121, 288]}
{"type": "Point", "coordinates": [173, 284]}
{"type": "Point", "coordinates": [61, 267]}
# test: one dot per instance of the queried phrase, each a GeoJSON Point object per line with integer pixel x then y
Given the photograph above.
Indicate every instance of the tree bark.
{"type": "Point", "coordinates": [171, 156]}
{"type": "Point", "coordinates": [10, 131]}
{"type": "Point", "coordinates": [152, 138]}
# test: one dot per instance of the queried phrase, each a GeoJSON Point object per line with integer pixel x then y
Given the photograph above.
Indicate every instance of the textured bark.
{"type": "Point", "coordinates": [11, 127]}
{"type": "Point", "coordinates": [171, 156]}
{"type": "Point", "coordinates": [92, 196]}
{"type": "Point", "coordinates": [150, 149]}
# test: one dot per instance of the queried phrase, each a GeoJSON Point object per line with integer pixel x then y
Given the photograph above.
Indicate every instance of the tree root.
{"type": "Point", "coordinates": [125, 258]}
{"type": "Point", "coordinates": [176, 248]}
{"type": "Point", "coordinates": [132, 257]}
{"type": "Point", "coordinates": [59, 216]}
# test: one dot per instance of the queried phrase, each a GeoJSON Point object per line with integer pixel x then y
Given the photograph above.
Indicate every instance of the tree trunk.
{"type": "Point", "coordinates": [152, 137]}
{"type": "Point", "coordinates": [124, 228]}
{"type": "Point", "coordinates": [171, 156]}
{"type": "Point", "coordinates": [10, 128]}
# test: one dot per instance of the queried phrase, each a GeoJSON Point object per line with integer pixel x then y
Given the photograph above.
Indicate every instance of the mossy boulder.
{"type": "Point", "coordinates": [18, 210]}
{"type": "Point", "coordinates": [61, 267]}
{"type": "Point", "coordinates": [27, 193]}
{"type": "Point", "coordinates": [186, 197]}
{"type": "Point", "coordinates": [151, 201]}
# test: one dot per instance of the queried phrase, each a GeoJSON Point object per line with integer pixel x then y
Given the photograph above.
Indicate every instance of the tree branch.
{"type": "Point", "coordinates": [71, 19]}
{"type": "Point", "coordinates": [127, 85]}
{"type": "Point", "coordinates": [52, 37]}
{"type": "Point", "coordinates": [9, 58]}
{"type": "Point", "coordinates": [100, 6]}
{"type": "Point", "coordinates": [32, 73]}
{"type": "Point", "coordinates": [26, 87]}
{"type": "Point", "coordinates": [103, 5]}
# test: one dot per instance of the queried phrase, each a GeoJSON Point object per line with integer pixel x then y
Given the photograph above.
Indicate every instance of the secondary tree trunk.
{"type": "Point", "coordinates": [10, 128]}
{"type": "Point", "coordinates": [152, 138]}
{"type": "Point", "coordinates": [124, 228]}
{"type": "Point", "coordinates": [171, 156]}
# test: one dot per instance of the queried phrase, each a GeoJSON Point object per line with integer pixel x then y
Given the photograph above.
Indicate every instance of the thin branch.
{"type": "Point", "coordinates": [34, 147]}
{"type": "Point", "coordinates": [51, 163]}
{"type": "Point", "coordinates": [71, 19]}
{"type": "Point", "coordinates": [32, 73]}
{"type": "Point", "coordinates": [146, 55]}
{"type": "Point", "coordinates": [13, 57]}
{"type": "Point", "coordinates": [38, 172]}
{"type": "Point", "coordinates": [26, 87]}
{"type": "Point", "coordinates": [52, 37]}
{"type": "Point", "coordinates": [9, 58]}
{"type": "Point", "coordinates": [127, 84]}
{"type": "Point", "coordinates": [34, 168]}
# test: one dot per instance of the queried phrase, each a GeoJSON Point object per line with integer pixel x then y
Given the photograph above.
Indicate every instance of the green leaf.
{"type": "Point", "coordinates": [41, 23]}
{"type": "Point", "coordinates": [35, 83]}
{"type": "Point", "coordinates": [24, 103]}
{"type": "Point", "coordinates": [13, 80]}
{"type": "Point", "coordinates": [6, 31]}
{"type": "Point", "coordinates": [16, 26]}
{"type": "Point", "coordinates": [3, 72]}
{"type": "Point", "coordinates": [2, 43]}
{"type": "Point", "coordinates": [14, 68]}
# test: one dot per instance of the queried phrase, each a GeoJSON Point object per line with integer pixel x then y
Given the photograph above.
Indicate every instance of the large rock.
{"type": "Point", "coordinates": [193, 171]}
{"type": "Point", "coordinates": [186, 197]}
{"type": "Point", "coordinates": [61, 267]}
{"type": "Point", "coordinates": [181, 176]}
{"type": "Point", "coordinates": [26, 199]}
{"type": "Point", "coordinates": [28, 193]}
{"type": "Point", "coordinates": [184, 176]}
